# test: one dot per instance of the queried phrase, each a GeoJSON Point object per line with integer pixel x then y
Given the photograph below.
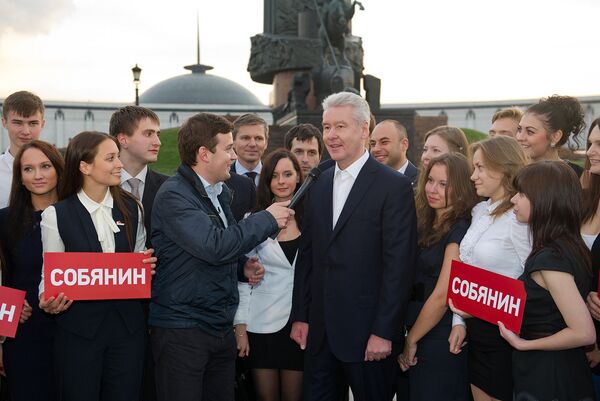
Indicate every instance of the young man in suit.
{"type": "Point", "coordinates": [389, 143]}
{"type": "Point", "coordinates": [305, 141]}
{"type": "Point", "coordinates": [23, 118]}
{"type": "Point", "coordinates": [138, 131]}
{"type": "Point", "coordinates": [355, 267]}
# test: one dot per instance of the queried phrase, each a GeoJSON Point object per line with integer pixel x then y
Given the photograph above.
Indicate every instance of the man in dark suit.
{"type": "Point", "coordinates": [389, 143]}
{"type": "Point", "coordinates": [138, 131]}
{"type": "Point", "coordinates": [243, 195]}
{"type": "Point", "coordinates": [355, 267]}
{"type": "Point", "coordinates": [250, 140]}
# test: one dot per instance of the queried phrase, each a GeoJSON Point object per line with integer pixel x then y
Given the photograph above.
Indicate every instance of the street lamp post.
{"type": "Point", "coordinates": [136, 80]}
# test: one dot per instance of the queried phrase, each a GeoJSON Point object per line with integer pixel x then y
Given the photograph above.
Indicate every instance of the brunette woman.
{"type": "Point", "coordinates": [99, 346]}
{"type": "Point", "coordinates": [262, 323]}
{"type": "Point", "coordinates": [497, 242]}
{"type": "Point", "coordinates": [444, 201]}
{"type": "Point", "coordinates": [37, 170]}
{"type": "Point", "coordinates": [548, 125]}
{"type": "Point", "coordinates": [590, 230]}
{"type": "Point", "coordinates": [549, 362]}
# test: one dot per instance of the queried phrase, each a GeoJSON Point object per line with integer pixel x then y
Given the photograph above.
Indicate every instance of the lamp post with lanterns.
{"type": "Point", "coordinates": [137, 71]}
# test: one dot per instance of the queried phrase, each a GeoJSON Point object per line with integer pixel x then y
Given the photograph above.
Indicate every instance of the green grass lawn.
{"type": "Point", "coordinates": [168, 158]}
{"type": "Point", "coordinates": [474, 135]}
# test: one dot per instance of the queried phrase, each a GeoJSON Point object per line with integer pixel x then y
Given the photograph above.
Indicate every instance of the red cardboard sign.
{"type": "Point", "coordinates": [489, 296]}
{"type": "Point", "coordinates": [11, 304]}
{"type": "Point", "coordinates": [96, 275]}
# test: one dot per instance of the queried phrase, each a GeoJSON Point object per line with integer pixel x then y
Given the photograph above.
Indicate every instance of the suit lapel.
{"type": "Point", "coordinates": [327, 201]}
{"type": "Point", "coordinates": [360, 188]}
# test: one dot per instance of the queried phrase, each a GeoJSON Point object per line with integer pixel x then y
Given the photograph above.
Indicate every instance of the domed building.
{"type": "Point", "coordinates": [200, 88]}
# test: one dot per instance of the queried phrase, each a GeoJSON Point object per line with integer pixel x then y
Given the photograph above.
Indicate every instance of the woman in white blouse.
{"type": "Point", "coordinates": [497, 242]}
{"type": "Point", "coordinates": [262, 324]}
{"type": "Point", "coordinates": [99, 345]}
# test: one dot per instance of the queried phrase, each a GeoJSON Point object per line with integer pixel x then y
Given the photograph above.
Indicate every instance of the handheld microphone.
{"type": "Point", "coordinates": [312, 176]}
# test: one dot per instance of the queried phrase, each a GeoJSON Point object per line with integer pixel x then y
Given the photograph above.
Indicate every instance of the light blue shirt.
{"type": "Point", "coordinates": [213, 192]}
{"type": "Point", "coordinates": [241, 170]}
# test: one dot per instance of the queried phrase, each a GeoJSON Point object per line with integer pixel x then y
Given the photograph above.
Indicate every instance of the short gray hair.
{"type": "Point", "coordinates": [361, 110]}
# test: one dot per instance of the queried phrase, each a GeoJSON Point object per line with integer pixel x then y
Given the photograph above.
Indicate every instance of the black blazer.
{"type": "Point", "coordinates": [243, 199]}
{"type": "Point", "coordinates": [355, 280]}
{"type": "Point", "coordinates": [76, 229]}
{"type": "Point", "coordinates": [412, 173]}
{"type": "Point", "coordinates": [153, 181]}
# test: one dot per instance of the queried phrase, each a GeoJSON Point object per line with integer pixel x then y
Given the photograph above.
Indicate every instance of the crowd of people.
{"type": "Point", "coordinates": [253, 299]}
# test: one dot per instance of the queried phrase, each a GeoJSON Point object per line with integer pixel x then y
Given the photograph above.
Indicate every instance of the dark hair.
{"type": "Point", "coordinates": [591, 194]}
{"type": "Point", "coordinates": [200, 130]}
{"type": "Point", "coordinates": [562, 113]}
{"type": "Point", "coordinates": [21, 213]}
{"type": "Point", "coordinates": [84, 147]}
{"type": "Point", "coordinates": [264, 196]}
{"type": "Point", "coordinates": [126, 119]}
{"type": "Point", "coordinates": [304, 133]}
{"type": "Point", "coordinates": [555, 194]}
{"type": "Point", "coordinates": [460, 196]}
{"type": "Point", "coordinates": [249, 119]}
{"type": "Point", "coordinates": [504, 155]}
{"type": "Point", "coordinates": [23, 103]}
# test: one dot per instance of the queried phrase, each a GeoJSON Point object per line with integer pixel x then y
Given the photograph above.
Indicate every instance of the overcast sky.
{"type": "Point", "coordinates": [423, 50]}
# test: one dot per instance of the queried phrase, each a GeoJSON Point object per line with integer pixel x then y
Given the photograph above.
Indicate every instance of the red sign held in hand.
{"type": "Point", "coordinates": [489, 296]}
{"type": "Point", "coordinates": [11, 304]}
{"type": "Point", "coordinates": [96, 275]}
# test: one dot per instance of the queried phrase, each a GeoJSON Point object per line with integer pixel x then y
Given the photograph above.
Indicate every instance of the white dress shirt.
{"type": "Point", "coordinates": [589, 240]}
{"type": "Point", "coordinates": [243, 170]}
{"type": "Point", "coordinates": [125, 176]}
{"type": "Point", "coordinates": [343, 180]}
{"type": "Point", "coordinates": [500, 245]}
{"type": "Point", "coordinates": [402, 168]}
{"type": "Point", "coordinates": [6, 173]}
{"type": "Point", "coordinates": [101, 214]}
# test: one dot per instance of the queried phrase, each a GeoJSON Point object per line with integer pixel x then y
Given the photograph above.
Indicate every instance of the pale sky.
{"type": "Point", "coordinates": [423, 50]}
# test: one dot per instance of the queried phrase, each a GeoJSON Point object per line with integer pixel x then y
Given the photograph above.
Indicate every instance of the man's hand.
{"type": "Point", "coordinates": [377, 348]}
{"type": "Point", "coordinates": [299, 333]}
{"type": "Point", "coordinates": [25, 312]}
{"type": "Point", "coordinates": [254, 271]}
{"type": "Point", "coordinates": [281, 213]}
{"type": "Point", "coordinates": [151, 260]}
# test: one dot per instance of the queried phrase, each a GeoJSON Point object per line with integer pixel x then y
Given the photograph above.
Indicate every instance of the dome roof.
{"type": "Point", "coordinates": [199, 88]}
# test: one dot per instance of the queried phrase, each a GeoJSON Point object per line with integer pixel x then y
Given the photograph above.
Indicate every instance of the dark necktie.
{"type": "Point", "coordinates": [252, 175]}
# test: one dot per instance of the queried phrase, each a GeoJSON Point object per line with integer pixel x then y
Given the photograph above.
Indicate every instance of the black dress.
{"type": "Point", "coordinates": [28, 357]}
{"type": "Point", "coordinates": [439, 374]}
{"type": "Point", "coordinates": [277, 350]}
{"type": "Point", "coordinates": [550, 375]}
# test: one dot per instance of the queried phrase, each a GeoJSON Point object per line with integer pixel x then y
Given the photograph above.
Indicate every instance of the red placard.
{"type": "Point", "coordinates": [11, 304]}
{"type": "Point", "coordinates": [489, 296]}
{"type": "Point", "coordinates": [96, 275]}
